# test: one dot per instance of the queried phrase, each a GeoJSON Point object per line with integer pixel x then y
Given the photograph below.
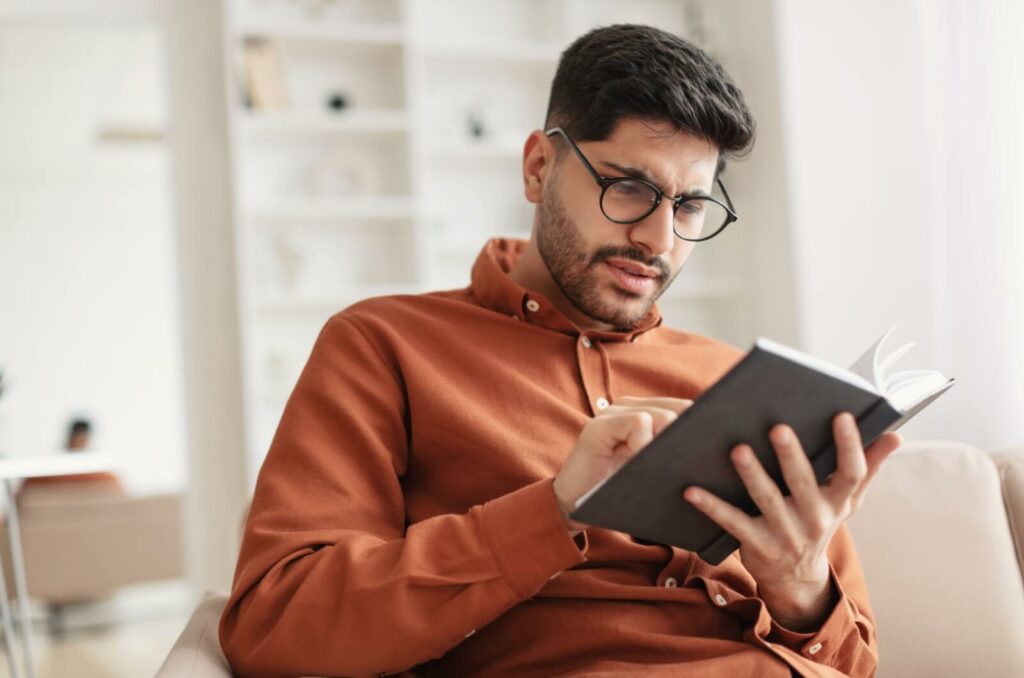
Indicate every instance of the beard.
{"type": "Point", "coordinates": [579, 274]}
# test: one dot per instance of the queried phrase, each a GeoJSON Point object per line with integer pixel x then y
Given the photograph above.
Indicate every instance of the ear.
{"type": "Point", "coordinates": [538, 162]}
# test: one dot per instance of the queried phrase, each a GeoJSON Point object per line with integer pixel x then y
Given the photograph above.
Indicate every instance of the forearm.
{"type": "Point", "coordinates": [366, 605]}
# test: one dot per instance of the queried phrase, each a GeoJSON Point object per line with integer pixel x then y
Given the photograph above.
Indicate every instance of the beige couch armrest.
{"type": "Point", "coordinates": [197, 653]}
{"type": "Point", "coordinates": [941, 564]}
{"type": "Point", "coordinates": [1011, 472]}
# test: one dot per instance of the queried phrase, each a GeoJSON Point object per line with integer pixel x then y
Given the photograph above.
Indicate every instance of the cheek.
{"type": "Point", "coordinates": [582, 200]}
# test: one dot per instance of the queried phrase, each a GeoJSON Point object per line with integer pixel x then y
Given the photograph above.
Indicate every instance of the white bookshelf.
{"type": "Point", "coordinates": [394, 193]}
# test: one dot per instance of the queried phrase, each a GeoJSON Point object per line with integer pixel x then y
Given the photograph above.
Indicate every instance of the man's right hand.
{"type": "Point", "coordinates": [607, 442]}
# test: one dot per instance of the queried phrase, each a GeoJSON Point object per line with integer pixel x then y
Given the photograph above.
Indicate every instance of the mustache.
{"type": "Point", "coordinates": [632, 254]}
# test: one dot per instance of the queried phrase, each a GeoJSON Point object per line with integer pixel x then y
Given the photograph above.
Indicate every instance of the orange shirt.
{"type": "Point", "coordinates": [404, 518]}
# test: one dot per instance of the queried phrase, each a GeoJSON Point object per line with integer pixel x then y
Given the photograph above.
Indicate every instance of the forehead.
{"type": "Point", "coordinates": [676, 161]}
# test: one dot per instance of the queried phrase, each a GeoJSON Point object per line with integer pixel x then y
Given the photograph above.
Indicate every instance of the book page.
{"type": "Point", "coordinates": [911, 387]}
{"type": "Point", "coordinates": [869, 365]}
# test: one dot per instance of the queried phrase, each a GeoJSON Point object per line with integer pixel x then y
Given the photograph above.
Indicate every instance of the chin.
{"type": "Point", "coordinates": [631, 308]}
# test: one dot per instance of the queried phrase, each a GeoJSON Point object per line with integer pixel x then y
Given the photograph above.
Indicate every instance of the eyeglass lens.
{"type": "Point", "coordinates": [630, 201]}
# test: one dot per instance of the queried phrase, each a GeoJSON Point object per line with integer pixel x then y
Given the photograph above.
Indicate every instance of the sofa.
{"type": "Point", "coordinates": [82, 541]}
{"type": "Point", "coordinates": [940, 536]}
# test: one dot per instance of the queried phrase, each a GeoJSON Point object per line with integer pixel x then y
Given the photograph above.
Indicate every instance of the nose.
{"type": "Point", "coordinates": [654, 232]}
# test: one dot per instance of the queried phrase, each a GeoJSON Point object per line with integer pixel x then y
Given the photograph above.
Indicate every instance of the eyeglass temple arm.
{"type": "Point", "coordinates": [728, 200]}
{"type": "Point", "coordinates": [579, 154]}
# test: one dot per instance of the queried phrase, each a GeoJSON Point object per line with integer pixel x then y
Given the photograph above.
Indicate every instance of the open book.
{"type": "Point", "coordinates": [771, 384]}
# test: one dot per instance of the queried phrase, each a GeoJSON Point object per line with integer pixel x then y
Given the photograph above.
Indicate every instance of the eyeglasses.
{"type": "Point", "coordinates": [627, 200]}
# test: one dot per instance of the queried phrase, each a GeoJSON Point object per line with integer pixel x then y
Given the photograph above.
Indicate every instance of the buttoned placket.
{"type": "Point", "coordinates": [594, 368]}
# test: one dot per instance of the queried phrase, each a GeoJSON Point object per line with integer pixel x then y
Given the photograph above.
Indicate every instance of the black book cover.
{"type": "Point", "coordinates": [644, 497]}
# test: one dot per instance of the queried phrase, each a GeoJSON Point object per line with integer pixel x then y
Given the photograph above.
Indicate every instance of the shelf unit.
{"type": "Point", "coordinates": [397, 191]}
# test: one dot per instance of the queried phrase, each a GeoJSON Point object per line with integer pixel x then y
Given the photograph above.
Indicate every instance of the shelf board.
{"type": "Point", "coordinates": [298, 31]}
{"type": "Point", "coordinates": [497, 50]}
{"type": "Point", "coordinates": [285, 121]}
{"type": "Point", "coordinates": [331, 302]}
{"type": "Point", "coordinates": [477, 150]}
{"type": "Point", "coordinates": [333, 208]}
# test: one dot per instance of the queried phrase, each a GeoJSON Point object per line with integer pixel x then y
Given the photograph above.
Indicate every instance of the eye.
{"type": "Point", "coordinates": [633, 191]}
{"type": "Point", "coordinates": [693, 207]}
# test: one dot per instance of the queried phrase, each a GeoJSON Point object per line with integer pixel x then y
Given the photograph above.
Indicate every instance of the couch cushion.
{"type": "Point", "coordinates": [941, 565]}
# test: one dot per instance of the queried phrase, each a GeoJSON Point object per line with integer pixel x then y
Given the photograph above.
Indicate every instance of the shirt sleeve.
{"type": "Point", "coordinates": [846, 640]}
{"type": "Point", "coordinates": [330, 580]}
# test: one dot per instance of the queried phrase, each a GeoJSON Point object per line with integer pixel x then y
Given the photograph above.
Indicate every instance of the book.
{"type": "Point", "coordinates": [771, 384]}
{"type": "Point", "coordinates": [264, 75]}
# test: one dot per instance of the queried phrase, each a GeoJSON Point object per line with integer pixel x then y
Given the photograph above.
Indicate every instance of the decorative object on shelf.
{"type": "Point", "coordinates": [289, 260]}
{"type": "Point", "coordinates": [344, 172]}
{"type": "Point", "coordinates": [338, 101]}
{"type": "Point", "coordinates": [475, 125]}
{"type": "Point", "coordinates": [263, 75]}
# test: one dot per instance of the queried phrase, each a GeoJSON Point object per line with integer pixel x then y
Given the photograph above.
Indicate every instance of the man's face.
{"type": "Point", "coordinates": [595, 261]}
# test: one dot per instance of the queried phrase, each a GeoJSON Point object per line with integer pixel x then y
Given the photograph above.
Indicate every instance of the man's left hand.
{"type": "Point", "coordinates": [785, 548]}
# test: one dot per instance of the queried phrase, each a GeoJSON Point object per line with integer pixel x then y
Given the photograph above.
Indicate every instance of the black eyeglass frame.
{"type": "Point", "coordinates": [606, 182]}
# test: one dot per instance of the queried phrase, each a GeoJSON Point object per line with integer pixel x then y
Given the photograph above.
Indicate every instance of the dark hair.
{"type": "Point", "coordinates": [79, 426]}
{"type": "Point", "coordinates": [635, 71]}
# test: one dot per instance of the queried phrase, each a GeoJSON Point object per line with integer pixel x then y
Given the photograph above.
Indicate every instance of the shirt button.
{"type": "Point", "coordinates": [532, 305]}
{"type": "Point", "coordinates": [585, 341]}
{"type": "Point", "coordinates": [671, 583]}
{"type": "Point", "coordinates": [554, 575]}
{"type": "Point", "coordinates": [814, 649]}
{"type": "Point", "coordinates": [601, 403]}
{"type": "Point", "coordinates": [720, 599]}
{"type": "Point", "coordinates": [471, 633]}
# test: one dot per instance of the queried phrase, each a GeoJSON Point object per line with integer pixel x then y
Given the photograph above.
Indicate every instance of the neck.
{"type": "Point", "coordinates": [531, 273]}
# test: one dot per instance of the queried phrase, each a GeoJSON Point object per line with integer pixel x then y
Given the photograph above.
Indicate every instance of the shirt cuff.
{"type": "Point", "coordinates": [824, 644]}
{"type": "Point", "coordinates": [529, 539]}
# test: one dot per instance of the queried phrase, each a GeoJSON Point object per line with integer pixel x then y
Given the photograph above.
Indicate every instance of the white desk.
{"type": "Point", "coordinates": [11, 470]}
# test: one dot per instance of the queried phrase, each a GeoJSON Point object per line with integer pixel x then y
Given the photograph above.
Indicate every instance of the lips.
{"type": "Point", "coordinates": [634, 268]}
{"type": "Point", "coordinates": [631, 282]}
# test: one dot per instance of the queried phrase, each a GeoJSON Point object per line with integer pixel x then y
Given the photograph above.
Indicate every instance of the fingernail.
{"type": "Point", "coordinates": [782, 434]}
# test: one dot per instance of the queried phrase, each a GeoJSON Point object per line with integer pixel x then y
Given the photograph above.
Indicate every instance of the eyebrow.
{"type": "Point", "coordinates": [637, 173]}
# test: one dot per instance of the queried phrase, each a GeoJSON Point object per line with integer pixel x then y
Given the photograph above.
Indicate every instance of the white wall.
{"type": "Point", "coordinates": [88, 299]}
{"type": "Point", "coordinates": [897, 120]}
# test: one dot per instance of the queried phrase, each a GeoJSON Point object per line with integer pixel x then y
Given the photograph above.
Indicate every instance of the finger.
{"type": "Point", "coordinates": [728, 517]}
{"type": "Point", "coordinates": [662, 416]}
{"type": "Point", "coordinates": [625, 433]}
{"type": "Point", "coordinates": [677, 405]}
{"type": "Point", "coordinates": [796, 471]}
{"type": "Point", "coordinates": [851, 465]}
{"type": "Point", "coordinates": [876, 454]}
{"type": "Point", "coordinates": [763, 490]}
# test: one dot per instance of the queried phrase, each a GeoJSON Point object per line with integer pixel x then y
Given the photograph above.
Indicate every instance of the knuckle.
{"type": "Point", "coordinates": [791, 543]}
{"type": "Point", "coordinates": [768, 499]}
{"type": "Point", "coordinates": [817, 528]}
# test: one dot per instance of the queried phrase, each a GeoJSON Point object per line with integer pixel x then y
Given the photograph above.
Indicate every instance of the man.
{"type": "Point", "coordinates": [79, 432]}
{"type": "Point", "coordinates": [412, 512]}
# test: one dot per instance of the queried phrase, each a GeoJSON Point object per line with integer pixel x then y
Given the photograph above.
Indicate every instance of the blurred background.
{"type": "Point", "coordinates": [190, 188]}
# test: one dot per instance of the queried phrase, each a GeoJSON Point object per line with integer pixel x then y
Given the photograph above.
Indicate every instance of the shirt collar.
{"type": "Point", "coordinates": [495, 290]}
